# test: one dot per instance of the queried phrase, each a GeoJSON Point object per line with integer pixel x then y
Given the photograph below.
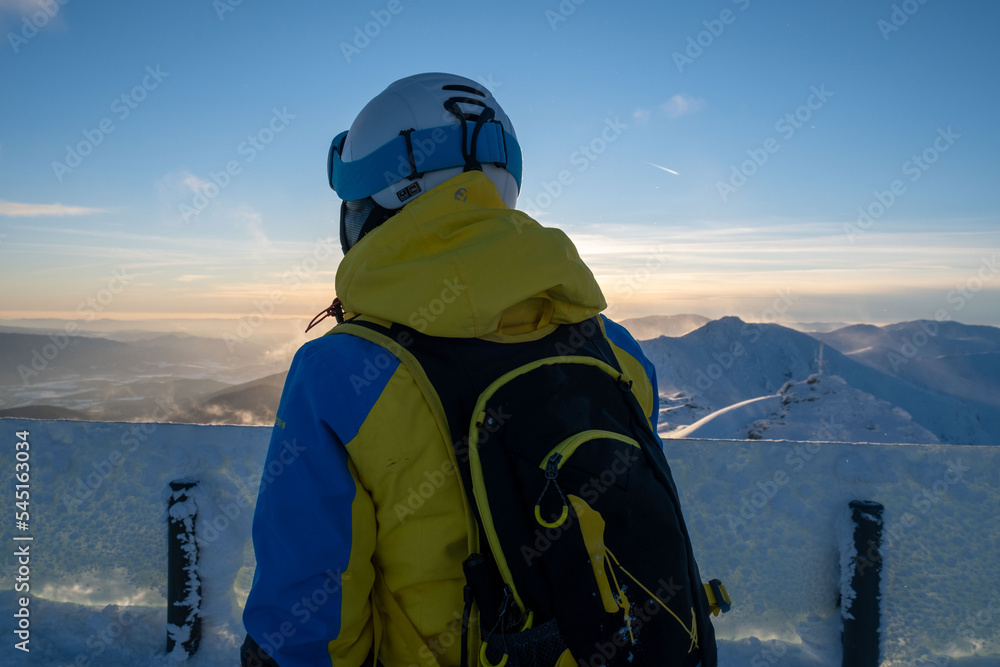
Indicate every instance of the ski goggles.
{"type": "Point", "coordinates": [415, 152]}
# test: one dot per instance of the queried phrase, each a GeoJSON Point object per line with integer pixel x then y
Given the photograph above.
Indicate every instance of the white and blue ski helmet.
{"type": "Point", "coordinates": [416, 134]}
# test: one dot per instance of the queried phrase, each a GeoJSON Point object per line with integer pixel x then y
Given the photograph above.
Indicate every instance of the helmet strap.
{"type": "Point", "coordinates": [487, 115]}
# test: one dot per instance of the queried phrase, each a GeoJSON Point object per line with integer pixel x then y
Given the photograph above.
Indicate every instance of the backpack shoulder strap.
{"type": "Point", "coordinates": [398, 340]}
{"type": "Point", "coordinates": [453, 372]}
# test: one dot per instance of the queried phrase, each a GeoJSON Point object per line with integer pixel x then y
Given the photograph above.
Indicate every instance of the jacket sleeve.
{"type": "Point", "coordinates": [623, 341]}
{"type": "Point", "coordinates": [314, 523]}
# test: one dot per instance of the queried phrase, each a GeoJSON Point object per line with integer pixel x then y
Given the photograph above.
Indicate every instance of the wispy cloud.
{"type": "Point", "coordinates": [740, 259]}
{"type": "Point", "coordinates": [17, 210]}
{"type": "Point", "coordinates": [195, 184]}
{"type": "Point", "coordinates": [39, 14]}
{"type": "Point", "coordinates": [681, 104]}
{"type": "Point", "coordinates": [677, 106]}
{"type": "Point", "coordinates": [249, 221]}
{"type": "Point", "coordinates": [186, 198]}
{"type": "Point", "coordinates": [20, 6]}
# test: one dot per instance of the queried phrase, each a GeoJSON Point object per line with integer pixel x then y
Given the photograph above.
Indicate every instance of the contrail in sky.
{"type": "Point", "coordinates": [663, 168]}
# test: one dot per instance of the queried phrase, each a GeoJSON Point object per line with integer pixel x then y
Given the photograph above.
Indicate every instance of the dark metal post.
{"type": "Point", "coordinates": [861, 615]}
{"type": "Point", "coordinates": [183, 582]}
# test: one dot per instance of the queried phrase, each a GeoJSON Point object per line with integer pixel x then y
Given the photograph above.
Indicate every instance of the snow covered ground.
{"type": "Point", "coordinates": [821, 407]}
{"type": "Point", "coordinates": [764, 516]}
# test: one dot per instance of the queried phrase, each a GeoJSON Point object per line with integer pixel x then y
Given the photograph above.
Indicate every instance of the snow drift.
{"type": "Point", "coordinates": [763, 516]}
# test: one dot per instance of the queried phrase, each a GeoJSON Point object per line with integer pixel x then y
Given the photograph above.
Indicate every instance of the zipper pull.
{"type": "Point", "coordinates": [552, 467]}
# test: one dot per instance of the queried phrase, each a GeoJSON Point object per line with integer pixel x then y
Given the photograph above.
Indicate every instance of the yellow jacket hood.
{"type": "Point", "coordinates": [457, 263]}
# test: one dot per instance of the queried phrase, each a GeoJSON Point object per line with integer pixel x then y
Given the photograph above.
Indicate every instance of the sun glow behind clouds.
{"type": "Point", "coordinates": [105, 274]}
{"type": "Point", "coordinates": [742, 270]}
{"type": "Point", "coordinates": [814, 270]}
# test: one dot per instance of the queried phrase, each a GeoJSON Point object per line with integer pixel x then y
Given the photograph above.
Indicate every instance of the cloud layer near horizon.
{"type": "Point", "coordinates": [12, 209]}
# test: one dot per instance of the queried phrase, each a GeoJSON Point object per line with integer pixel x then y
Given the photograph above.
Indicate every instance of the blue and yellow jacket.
{"type": "Point", "coordinates": [361, 524]}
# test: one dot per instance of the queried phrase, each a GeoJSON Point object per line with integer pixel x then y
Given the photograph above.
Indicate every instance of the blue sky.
{"type": "Point", "coordinates": [777, 121]}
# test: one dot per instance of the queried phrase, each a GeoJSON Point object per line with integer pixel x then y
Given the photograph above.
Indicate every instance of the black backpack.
{"type": "Point", "coordinates": [582, 542]}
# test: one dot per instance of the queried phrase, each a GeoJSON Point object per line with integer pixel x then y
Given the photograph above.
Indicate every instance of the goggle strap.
{"type": "Point", "coordinates": [429, 149]}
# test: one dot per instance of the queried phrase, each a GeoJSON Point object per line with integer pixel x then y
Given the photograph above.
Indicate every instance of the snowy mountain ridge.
{"type": "Point", "coordinates": [728, 361]}
{"type": "Point", "coordinates": [960, 359]}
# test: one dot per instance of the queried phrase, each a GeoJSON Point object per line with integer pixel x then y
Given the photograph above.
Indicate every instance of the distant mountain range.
{"type": "Point", "coordinates": [144, 377]}
{"type": "Point", "coordinates": [909, 382]}
{"type": "Point", "coordinates": [43, 412]}
{"type": "Point", "coordinates": [957, 359]}
{"type": "Point", "coordinates": [654, 326]}
{"type": "Point", "coordinates": [249, 404]}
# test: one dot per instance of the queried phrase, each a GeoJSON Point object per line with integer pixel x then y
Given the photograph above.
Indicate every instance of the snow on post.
{"type": "Point", "coordinates": [861, 561]}
{"type": "Point", "coordinates": [183, 582]}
